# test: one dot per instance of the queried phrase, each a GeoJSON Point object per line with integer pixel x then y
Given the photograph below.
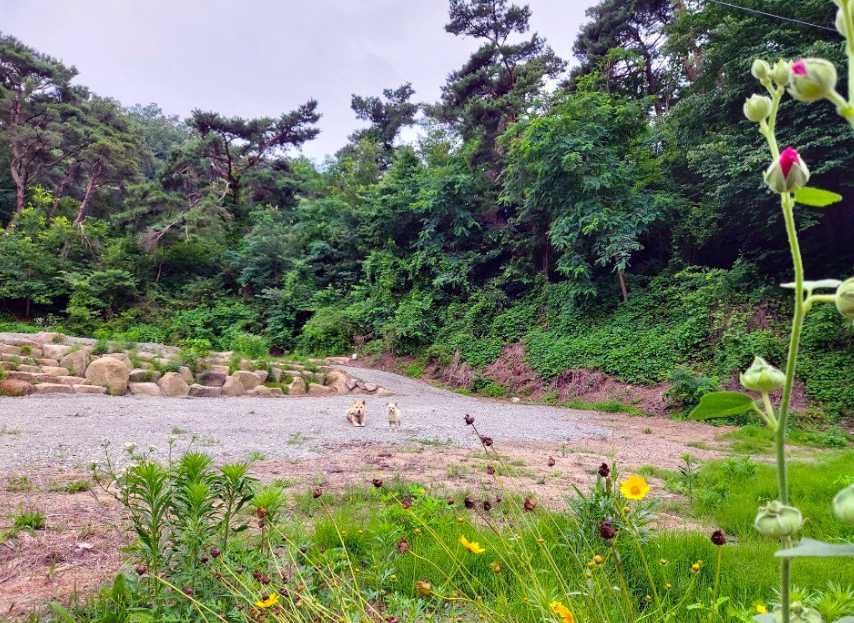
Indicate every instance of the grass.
{"type": "Point", "coordinates": [609, 406]}
{"type": "Point", "coordinates": [19, 483]}
{"type": "Point", "coordinates": [28, 520]}
{"type": "Point", "coordinates": [74, 486]}
{"type": "Point", "coordinates": [757, 439]}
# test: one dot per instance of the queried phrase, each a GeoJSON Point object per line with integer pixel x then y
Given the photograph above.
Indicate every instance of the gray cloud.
{"type": "Point", "coordinates": [261, 57]}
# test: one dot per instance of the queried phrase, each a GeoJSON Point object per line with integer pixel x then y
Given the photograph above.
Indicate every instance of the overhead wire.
{"type": "Point", "coordinates": [783, 18]}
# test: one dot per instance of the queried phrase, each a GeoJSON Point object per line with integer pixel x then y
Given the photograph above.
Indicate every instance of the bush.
{"type": "Point", "coordinates": [253, 346]}
{"type": "Point", "coordinates": [329, 331]}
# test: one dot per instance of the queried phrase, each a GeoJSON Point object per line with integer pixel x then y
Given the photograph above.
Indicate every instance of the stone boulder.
{"type": "Point", "coordinates": [338, 380]}
{"type": "Point", "coordinates": [261, 390]}
{"type": "Point", "coordinates": [55, 351]}
{"type": "Point", "coordinates": [205, 391]}
{"type": "Point", "coordinates": [109, 372]}
{"type": "Point", "coordinates": [144, 389]}
{"type": "Point", "coordinates": [172, 384]}
{"type": "Point", "coordinates": [123, 357]}
{"type": "Point", "coordinates": [261, 375]}
{"type": "Point", "coordinates": [9, 349]}
{"type": "Point", "coordinates": [17, 375]}
{"type": "Point", "coordinates": [15, 387]}
{"type": "Point", "coordinates": [297, 387]}
{"type": "Point", "coordinates": [75, 362]}
{"type": "Point", "coordinates": [55, 370]}
{"type": "Point", "coordinates": [233, 387]}
{"type": "Point", "coordinates": [213, 378]}
{"type": "Point", "coordinates": [53, 388]}
{"type": "Point", "coordinates": [141, 375]}
{"type": "Point", "coordinates": [316, 389]}
{"type": "Point", "coordinates": [249, 380]}
{"type": "Point", "coordinates": [186, 374]}
{"type": "Point", "coordinates": [71, 380]}
{"type": "Point", "coordinates": [89, 389]}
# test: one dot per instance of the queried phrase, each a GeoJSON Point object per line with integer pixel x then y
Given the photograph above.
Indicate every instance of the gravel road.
{"type": "Point", "coordinates": [67, 431]}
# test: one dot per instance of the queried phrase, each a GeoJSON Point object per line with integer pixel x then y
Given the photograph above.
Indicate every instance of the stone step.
{"type": "Point", "coordinates": [71, 380]}
{"type": "Point", "coordinates": [205, 391]}
{"type": "Point", "coordinates": [89, 389]}
{"type": "Point", "coordinates": [53, 388]}
{"type": "Point", "coordinates": [144, 389]}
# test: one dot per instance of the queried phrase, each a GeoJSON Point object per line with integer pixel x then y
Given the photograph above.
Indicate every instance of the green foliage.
{"type": "Point", "coordinates": [253, 346]}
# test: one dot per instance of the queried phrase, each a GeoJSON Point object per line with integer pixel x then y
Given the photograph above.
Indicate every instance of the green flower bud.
{"type": "Point", "coordinates": [757, 108]}
{"type": "Point", "coordinates": [843, 505]}
{"type": "Point", "coordinates": [799, 613]}
{"type": "Point", "coordinates": [761, 376]}
{"type": "Point", "coordinates": [787, 173]}
{"type": "Point", "coordinates": [840, 23]}
{"type": "Point", "coordinates": [760, 69]}
{"type": "Point", "coordinates": [781, 72]}
{"type": "Point", "coordinates": [845, 298]}
{"type": "Point", "coordinates": [812, 79]}
{"type": "Point", "coordinates": [778, 520]}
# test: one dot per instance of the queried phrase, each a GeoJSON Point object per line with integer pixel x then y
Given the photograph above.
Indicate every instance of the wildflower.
{"type": "Point", "coordinates": [377, 482]}
{"type": "Point", "coordinates": [787, 173]}
{"type": "Point", "coordinates": [486, 441]}
{"type": "Point", "coordinates": [402, 545]}
{"type": "Point", "coordinates": [697, 566]}
{"type": "Point", "coordinates": [551, 461]}
{"type": "Point", "coordinates": [406, 502]}
{"type": "Point", "coordinates": [648, 598]}
{"type": "Point", "coordinates": [188, 591]}
{"type": "Point", "coordinates": [391, 619]}
{"type": "Point", "coordinates": [627, 509]}
{"type": "Point", "coordinates": [598, 559]}
{"type": "Point", "coordinates": [761, 609]}
{"type": "Point", "coordinates": [530, 504]}
{"type": "Point", "coordinates": [215, 552]}
{"type": "Point", "coordinates": [451, 501]}
{"type": "Point", "coordinates": [607, 530]}
{"type": "Point", "coordinates": [634, 487]}
{"type": "Point", "coordinates": [540, 540]}
{"type": "Point", "coordinates": [487, 505]}
{"type": "Point", "coordinates": [604, 470]}
{"type": "Point", "coordinates": [393, 577]}
{"type": "Point", "coordinates": [718, 537]}
{"type": "Point", "coordinates": [495, 566]}
{"type": "Point", "coordinates": [416, 531]}
{"type": "Point", "coordinates": [423, 588]}
{"type": "Point", "coordinates": [591, 564]}
{"type": "Point", "coordinates": [260, 512]}
{"type": "Point", "coordinates": [317, 492]}
{"type": "Point", "coordinates": [812, 79]}
{"type": "Point", "coordinates": [472, 546]}
{"type": "Point", "coordinates": [469, 503]}
{"type": "Point", "coordinates": [268, 601]}
{"type": "Point", "coordinates": [667, 586]}
{"type": "Point", "coordinates": [761, 376]}
{"type": "Point", "coordinates": [490, 469]}
{"type": "Point", "coordinates": [140, 569]}
{"type": "Point", "coordinates": [664, 562]}
{"type": "Point", "coordinates": [469, 419]}
{"type": "Point", "coordinates": [562, 612]}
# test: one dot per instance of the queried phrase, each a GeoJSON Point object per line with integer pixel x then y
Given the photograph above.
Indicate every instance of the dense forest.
{"type": "Point", "coordinates": [607, 213]}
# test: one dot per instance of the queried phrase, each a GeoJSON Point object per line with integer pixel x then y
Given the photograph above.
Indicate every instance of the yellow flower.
{"type": "Point", "coordinates": [495, 566]}
{"type": "Point", "coordinates": [472, 546]}
{"type": "Point", "coordinates": [423, 588]}
{"type": "Point", "coordinates": [269, 601]}
{"type": "Point", "coordinates": [562, 612]}
{"type": "Point", "coordinates": [761, 609]}
{"type": "Point", "coordinates": [668, 586]}
{"type": "Point", "coordinates": [416, 531]}
{"type": "Point", "coordinates": [697, 566]}
{"type": "Point", "coordinates": [664, 562]}
{"type": "Point", "coordinates": [634, 487]}
{"type": "Point", "coordinates": [598, 559]}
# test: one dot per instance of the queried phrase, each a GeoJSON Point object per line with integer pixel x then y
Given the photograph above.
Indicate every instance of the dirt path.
{"type": "Point", "coordinates": [46, 443]}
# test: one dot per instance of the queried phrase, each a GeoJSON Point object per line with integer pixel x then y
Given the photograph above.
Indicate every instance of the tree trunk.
{"type": "Point", "coordinates": [83, 212]}
{"type": "Point", "coordinates": [622, 277]}
{"type": "Point", "coordinates": [60, 189]}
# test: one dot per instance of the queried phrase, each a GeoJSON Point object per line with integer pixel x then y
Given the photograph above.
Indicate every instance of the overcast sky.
{"type": "Point", "coordinates": [262, 57]}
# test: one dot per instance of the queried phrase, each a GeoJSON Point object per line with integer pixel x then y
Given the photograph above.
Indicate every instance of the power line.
{"type": "Point", "coordinates": [766, 14]}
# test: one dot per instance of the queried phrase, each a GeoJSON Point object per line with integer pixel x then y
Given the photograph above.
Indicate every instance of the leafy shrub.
{"type": "Point", "coordinates": [687, 388]}
{"type": "Point", "coordinates": [253, 346]}
{"type": "Point", "coordinates": [328, 331]}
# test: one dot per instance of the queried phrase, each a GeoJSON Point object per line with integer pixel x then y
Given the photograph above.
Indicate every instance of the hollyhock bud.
{"type": "Point", "coordinates": [778, 520]}
{"type": "Point", "coordinates": [840, 23]}
{"type": "Point", "coordinates": [843, 505]}
{"type": "Point", "coordinates": [799, 613]}
{"type": "Point", "coordinates": [812, 79]}
{"type": "Point", "coordinates": [757, 108]}
{"type": "Point", "coordinates": [760, 69]}
{"type": "Point", "coordinates": [781, 73]}
{"type": "Point", "coordinates": [762, 377]}
{"type": "Point", "coordinates": [787, 173]}
{"type": "Point", "coordinates": [845, 298]}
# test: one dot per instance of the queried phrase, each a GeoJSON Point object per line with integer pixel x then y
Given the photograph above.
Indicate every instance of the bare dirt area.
{"type": "Point", "coordinates": [300, 442]}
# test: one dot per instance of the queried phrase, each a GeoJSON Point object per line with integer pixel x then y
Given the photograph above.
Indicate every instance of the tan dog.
{"type": "Point", "coordinates": [393, 414]}
{"type": "Point", "coordinates": [357, 414]}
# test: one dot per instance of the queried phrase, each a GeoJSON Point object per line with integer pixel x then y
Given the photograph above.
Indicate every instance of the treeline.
{"type": "Point", "coordinates": [529, 184]}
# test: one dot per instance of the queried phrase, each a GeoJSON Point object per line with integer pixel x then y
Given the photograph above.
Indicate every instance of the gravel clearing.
{"type": "Point", "coordinates": [67, 431]}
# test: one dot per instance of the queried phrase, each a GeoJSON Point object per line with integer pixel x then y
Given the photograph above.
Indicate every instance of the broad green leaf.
{"type": "Point", "coordinates": [816, 197]}
{"type": "Point", "coordinates": [821, 284]}
{"type": "Point", "coordinates": [817, 549]}
{"type": "Point", "coordinates": [721, 404]}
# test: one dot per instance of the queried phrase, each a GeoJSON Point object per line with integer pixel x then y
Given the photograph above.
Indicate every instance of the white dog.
{"type": "Point", "coordinates": [393, 415]}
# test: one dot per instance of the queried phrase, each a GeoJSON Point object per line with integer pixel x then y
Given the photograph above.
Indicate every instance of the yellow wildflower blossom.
{"type": "Point", "coordinates": [562, 612]}
{"type": "Point", "coordinates": [634, 487]}
{"type": "Point", "coordinates": [472, 546]}
{"type": "Point", "coordinates": [269, 601]}
{"type": "Point", "coordinates": [761, 609]}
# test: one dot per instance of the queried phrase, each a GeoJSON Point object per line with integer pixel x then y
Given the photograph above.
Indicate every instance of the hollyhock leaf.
{"type": "Point", "coordinates": [820, 284]}
{"type": "Point", "coordinates": [816, 197]}
{"type": "Point", "coordinates": [721, 404]}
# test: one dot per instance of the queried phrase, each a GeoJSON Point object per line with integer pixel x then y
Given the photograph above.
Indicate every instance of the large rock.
{"type": "Point", "coordinates": [9, 349]}
{"type": "Point", "coordinates": [186, 374]}
{"type": "Point", "coordinates": [141, 375]}
{"type": "Point", "coordinates": [48, 362]}
{"type": "Point", "coordinates": [89, 389]}
{"type": "Point", "coordinates": [297, 387]}
{"type": "Point", "coordinates": [233, 387]}
{"type": "Point", "coordinates": [49, 337]}
{"type": "Point", "coordinates": [262, 391]}
{"type": "Point", "coordinates": [76, 362]}
{"type": "Point", "coordinates": [109, 372]}
{"type": "Point", "coordinates": [173, 384]}
{"type": "Point", "coordinates": [213, 378]}
{"type": "Point", "coordinates": [123, 357]}
{"type": "Point", "coordinates": [53, 388]}
{"type": "Point", "coordinates": [316, 389]}
{"type": "Point", "coordinates": [71, 380]}
{"type": "Point", "coordinates": [55, 351]}
{"type": "Point", "coordinates": [17, 375]}
{"type": "Point", "coordinates": [15, 387]}
{"type": "Point", "coordinates": [261, 375]}
{"type": "Point", "coordinates": [55, 370]}
{"type": "Point", "coordinates": [276, 375]}
{"type": "Point", "coordinates": [205, 391]}
{"type": "Point", "coordinates": [338, 380]}
{"type": "Point", "coordinates": [41, 377]}
{"type": "Point", "coordinates": [144, 389]}
{"type": "Point", "coordinates": [249, 380]}
{"type": "Point", "coordinates": [28, 368]}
